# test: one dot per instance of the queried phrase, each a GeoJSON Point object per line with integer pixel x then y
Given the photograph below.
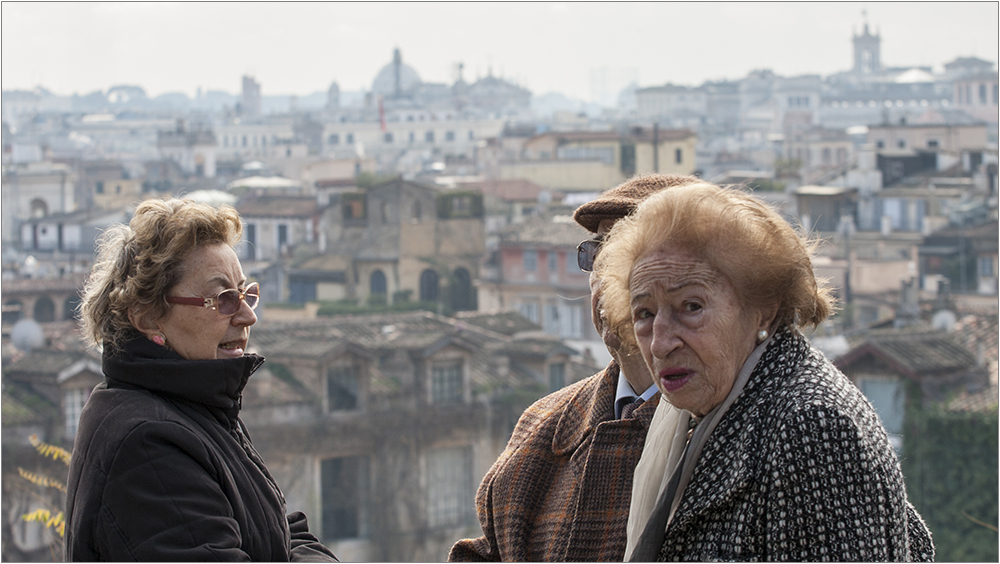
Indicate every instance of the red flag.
{"type": "Point", "coordinates": [381, 113]}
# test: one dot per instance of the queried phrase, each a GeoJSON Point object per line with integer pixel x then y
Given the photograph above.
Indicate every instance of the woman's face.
{"type": "Point", "coordinates": [201, 333]}
{"type": "Point", "coordinates": [691, 328]}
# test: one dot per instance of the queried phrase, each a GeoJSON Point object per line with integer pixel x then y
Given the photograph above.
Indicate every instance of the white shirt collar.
{"type": "Point", "coordinates": [625, 391]}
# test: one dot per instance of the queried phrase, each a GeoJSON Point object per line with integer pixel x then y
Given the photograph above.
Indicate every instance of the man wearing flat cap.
{"type": "Point", "coordinates": [560, 491]}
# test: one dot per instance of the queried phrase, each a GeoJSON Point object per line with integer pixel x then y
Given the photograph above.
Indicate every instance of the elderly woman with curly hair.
{"type": "Point", "coordinates": [163, 468]}
{"type": "Point", "coordinates": [777, 456]}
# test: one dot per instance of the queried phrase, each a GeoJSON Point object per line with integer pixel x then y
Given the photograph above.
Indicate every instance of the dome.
{"type": "Point", "coordinates": [914, 75]}
{"type": "Point", "coordinates": [385, 80]}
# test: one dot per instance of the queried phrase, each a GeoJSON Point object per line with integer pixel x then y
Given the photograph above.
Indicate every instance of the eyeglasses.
{"type": "Point", "coordinates": [227, 302]}
{"type": "Point", "coordinates": [586, 253]}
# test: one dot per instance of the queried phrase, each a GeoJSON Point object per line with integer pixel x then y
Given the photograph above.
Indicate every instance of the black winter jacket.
{"type": "Point", "coordinates": [163, 468]}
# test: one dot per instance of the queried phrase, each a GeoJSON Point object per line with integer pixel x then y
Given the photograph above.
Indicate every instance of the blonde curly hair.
{"type": "Point", "coordinates": [761, 254]}
{"type": "Point", "coordinates": [137, 264]}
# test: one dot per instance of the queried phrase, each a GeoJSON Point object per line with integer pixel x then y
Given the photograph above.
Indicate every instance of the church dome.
{"type": "Point", "coordinates": [385, 80]}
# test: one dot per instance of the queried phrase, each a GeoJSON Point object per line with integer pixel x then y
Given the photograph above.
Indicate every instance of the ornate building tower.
{"type": "Point", "coordinates": [867, 54]}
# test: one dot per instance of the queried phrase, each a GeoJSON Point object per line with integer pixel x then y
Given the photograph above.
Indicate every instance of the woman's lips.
{"type": "Point", "coordinates": [232, 348]}
{"type": "Point", "coordinates": [673, 379]}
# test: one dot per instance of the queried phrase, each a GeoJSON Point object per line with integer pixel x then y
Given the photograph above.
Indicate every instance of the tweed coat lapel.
{"type": "Point", "coordinates": [584, 412]}
{"type": "Point", "coordinates": [611, 449]}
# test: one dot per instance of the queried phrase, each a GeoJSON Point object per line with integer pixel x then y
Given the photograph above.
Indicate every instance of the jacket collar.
{"type": "Point", "coordinates": [586, 410]}
{"type": "Point", "coordinates": [216, 384]}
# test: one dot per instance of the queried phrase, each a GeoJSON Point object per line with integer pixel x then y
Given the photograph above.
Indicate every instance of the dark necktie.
{"type": "Point", "coordinates": [630, 407]}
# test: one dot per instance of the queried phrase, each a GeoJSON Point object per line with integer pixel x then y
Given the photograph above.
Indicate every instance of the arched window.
{"type": "Point", "coordinates": [39, 208]}
{"type": "Point", "coordinates": [45, 310]}
{"type": "Point", "coordinates": [376, 285]}
{"type": "Point", "coordinates": [429, 286]}
{"type": "Point", "coordinates": [463, 295]}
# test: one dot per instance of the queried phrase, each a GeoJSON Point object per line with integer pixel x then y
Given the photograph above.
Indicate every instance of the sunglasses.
{"type": "Point", "coordinates": [227, 302]}
{"type": "Point", "coordinates": [586, 253]}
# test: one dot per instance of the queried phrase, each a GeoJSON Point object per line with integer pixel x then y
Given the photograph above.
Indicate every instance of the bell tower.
{"type": "Point", "coordinates": [867, 53]}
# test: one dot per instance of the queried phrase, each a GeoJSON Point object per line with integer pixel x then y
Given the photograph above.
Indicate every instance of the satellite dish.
{"type": "Point", "coordinates": [27, 334]}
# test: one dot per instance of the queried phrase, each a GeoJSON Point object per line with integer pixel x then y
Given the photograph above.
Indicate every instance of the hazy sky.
{"type": "Point", "coordinates": [300, 48]}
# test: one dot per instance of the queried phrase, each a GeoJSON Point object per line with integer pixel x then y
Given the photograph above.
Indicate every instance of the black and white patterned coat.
{"type": "Point", "coordinates": [799, 468]}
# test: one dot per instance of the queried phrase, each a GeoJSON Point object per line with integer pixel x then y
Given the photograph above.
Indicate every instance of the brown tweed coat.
{"type": "Point", "coordinates": [561, 489]}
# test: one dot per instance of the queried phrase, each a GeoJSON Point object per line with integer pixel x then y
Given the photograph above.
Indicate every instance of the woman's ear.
{"type": "Point", "coordinates": [141, 321]}
{"type": "Point", "coordinates": [767, 315]}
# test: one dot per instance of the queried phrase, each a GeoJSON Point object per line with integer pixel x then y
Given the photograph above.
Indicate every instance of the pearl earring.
{"type": "Point", "coordinates": [761, 336]}
{"type": "Point", "coordinates": [158, 339]}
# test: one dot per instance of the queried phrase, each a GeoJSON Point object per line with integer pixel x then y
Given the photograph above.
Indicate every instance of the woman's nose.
{"type": "Point", "coordinates": [665, 339]}
{"type": "Point", "coordinates": [244, 316]}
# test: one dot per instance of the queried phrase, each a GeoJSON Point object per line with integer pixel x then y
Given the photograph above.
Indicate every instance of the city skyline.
{"type": "Point", "coordinates": [301, 48]}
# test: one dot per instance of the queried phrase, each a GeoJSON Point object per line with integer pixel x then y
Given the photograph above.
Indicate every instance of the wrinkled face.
{"type": "Point", "coordinates": [201, 333]}
{"type": "Point", "coordinates": [691, 328]}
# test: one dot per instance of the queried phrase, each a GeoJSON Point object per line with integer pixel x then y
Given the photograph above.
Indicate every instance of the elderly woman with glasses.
{"type": "Point", "coordinates": [778, 456]}
{"type": "Point", "coordinates": [163, 468]}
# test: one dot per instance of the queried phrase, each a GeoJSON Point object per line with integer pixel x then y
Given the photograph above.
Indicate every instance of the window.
{"type": "Point", "coordinates": [529, 310]}
{"type": "Point", "coordinates": [471, 135]}
{"type": "Point", "coordinates": [387, 137]}
{"type": "Point", "coordinates": [553, 266]}
{"type": "Point", "coordinates": [13, 310]}
{"type": "Point", "coordinates": [901, 143]}
{"type": "Point", "coordinates": [377, 283]}
{"type": "Point", "coordinates": [354, 207]}
{"type": "Point", "coordinates": [449, 135]}
{"type": "Point", "coordinates": [932, 144]}
{"type": "Point", "coordinates": [557, 376]}
{"type": "Point", "coordinates": [342, 388]}
{"type": "Point", "coordinates": [349, 139]}
{"type": "Point", "coordinates": [628, 159]}
{"type": "Point", "coordinates": [429, 281]}
{"type": "Point", "coordinates": [446, 383]}
{"type": "Point", "coordinates": [463, 294]}
{"type": "Point", "coordinates": [45, 310]}
{"type": "Point", "coordinates": [429, 137]}
{"type": "Point", "coordinates": [450, 500]}
{"type": "Point", "coordinates": [73, 401]}
{"type": "Point", "coordinates": [99, 187]}
{"type": "Point", "coordinates": [880, 144]}
{"type": "Point", "coordinates": [334, 139]}
{"type": "Point", "coordinates": [412, 136]}
{"type": "Point", "coordinates": [551, 321]}
{"type": "Point", "coordinates": [530, 261]}
{"type": "Point", "coordinates": [344, 495]}
{"type": "Point", "coordinates": [982, 94]}
{"type": "Point", "coordinates": [282, 235]}
{"type": "Point", "coordinates": [461, 205]}
{"type": "Point", "coordinates": [986, 266]}
{"type": "Point", "coordinates": [678, 156]}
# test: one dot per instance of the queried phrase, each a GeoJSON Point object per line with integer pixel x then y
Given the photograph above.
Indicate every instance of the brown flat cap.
{"type": "Point", "coordinates": [622, 200]}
